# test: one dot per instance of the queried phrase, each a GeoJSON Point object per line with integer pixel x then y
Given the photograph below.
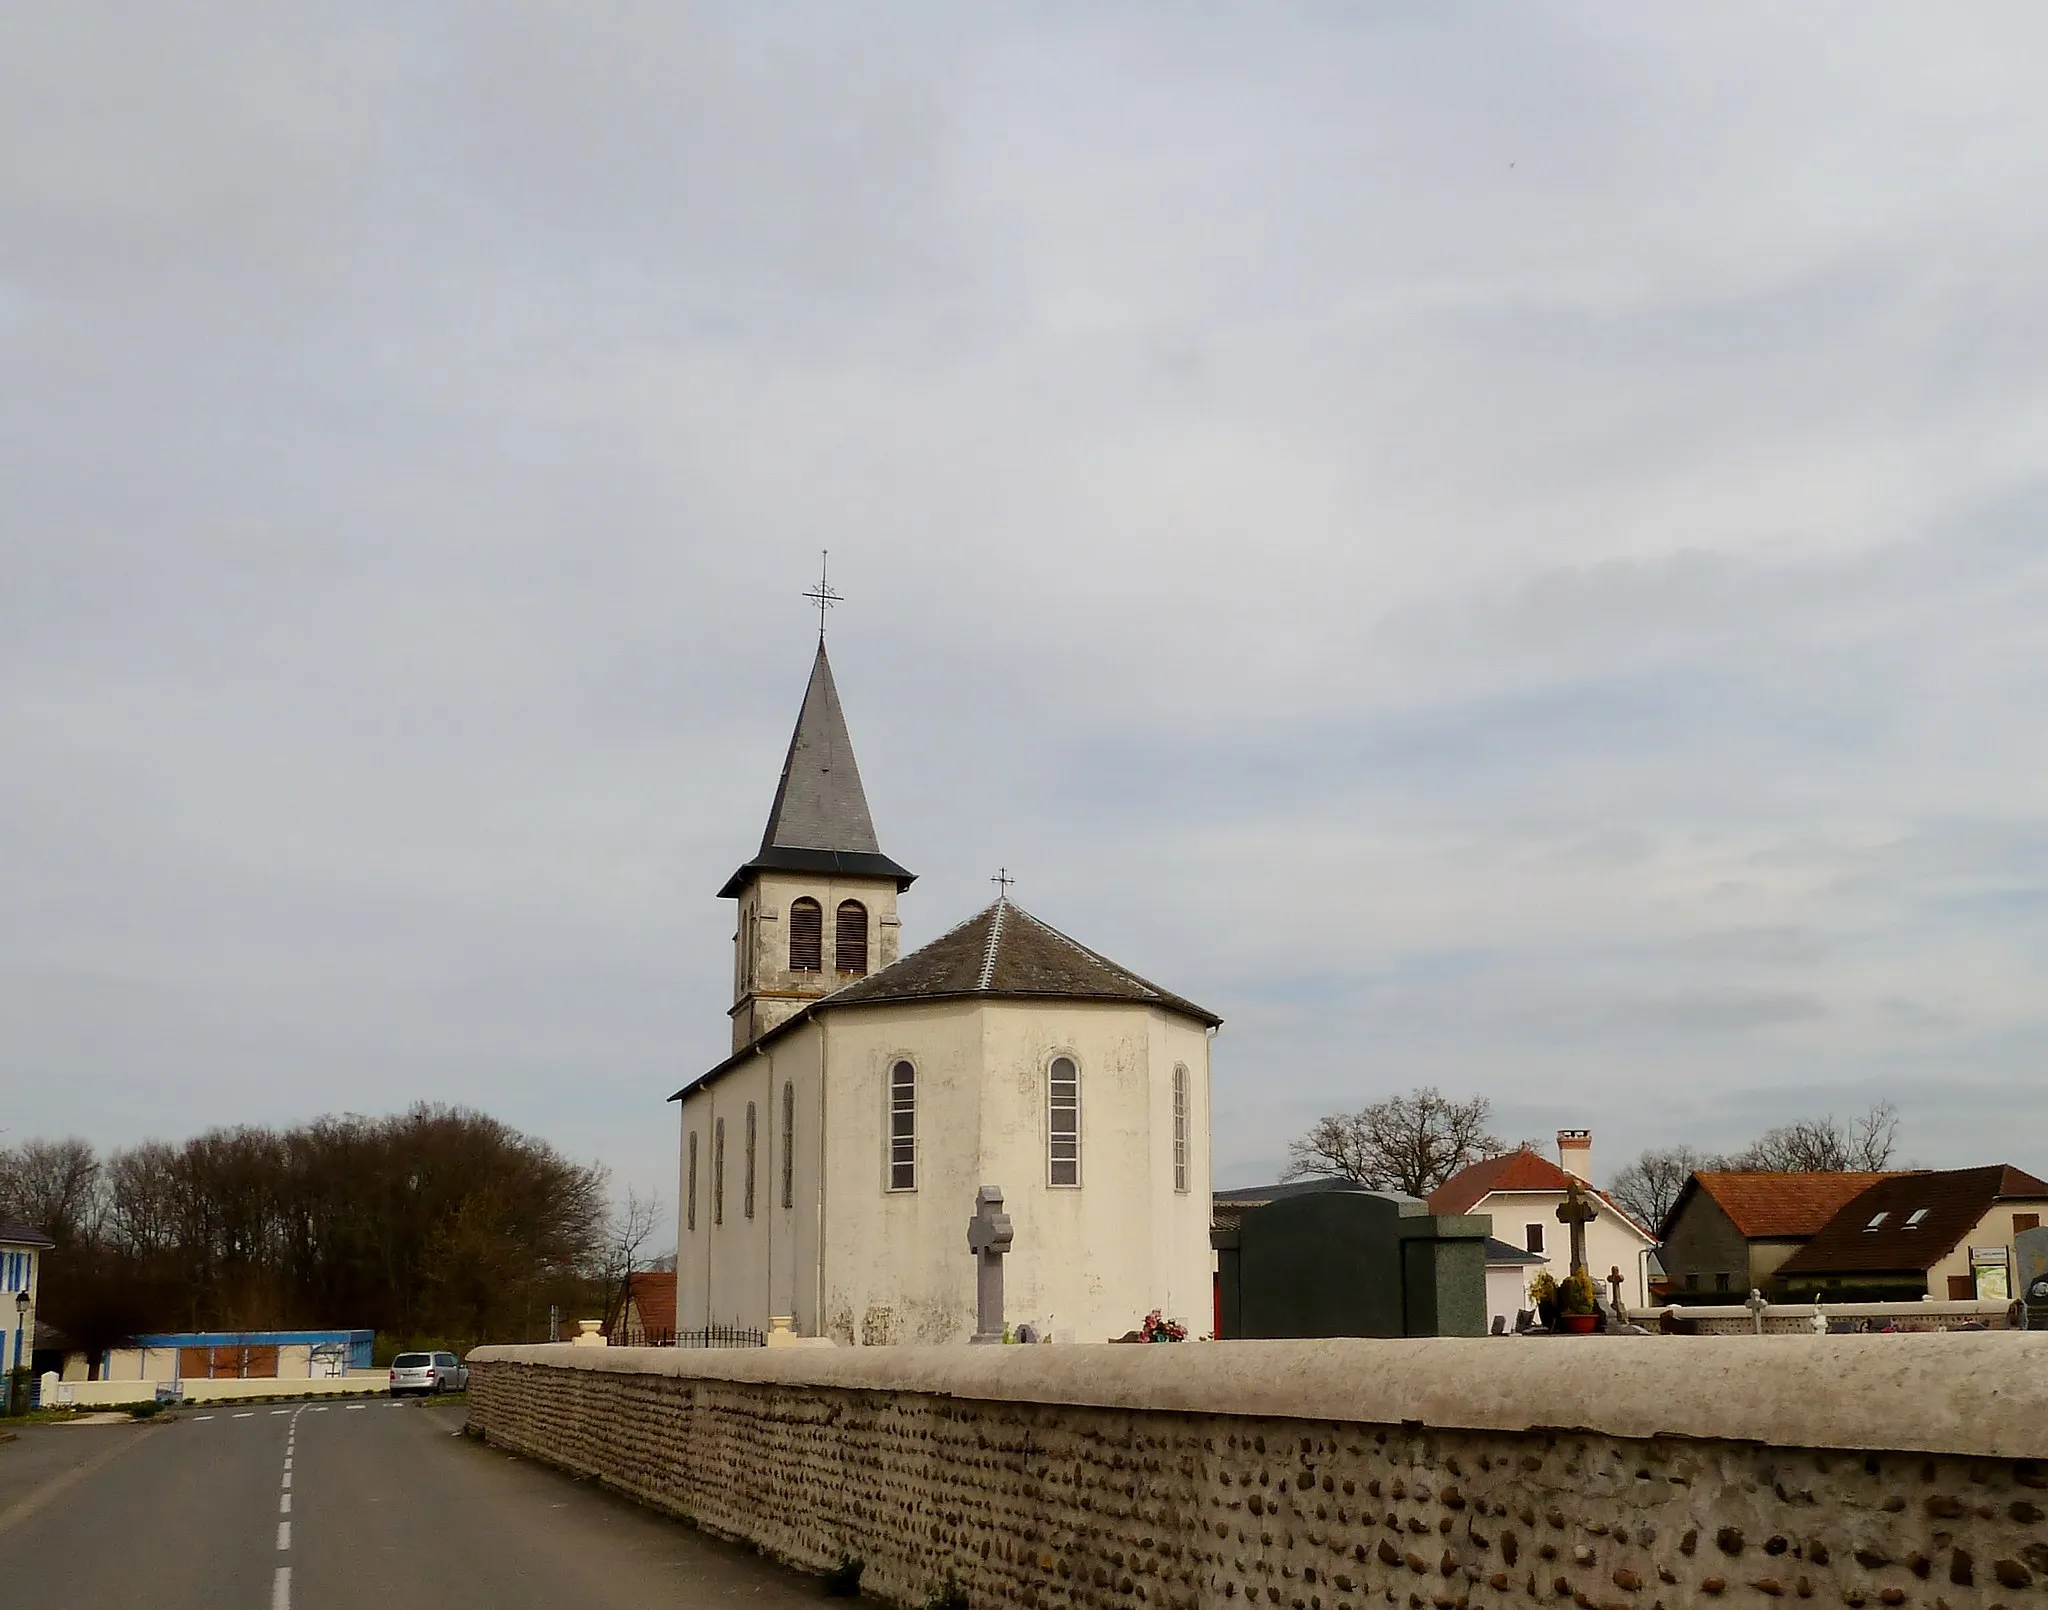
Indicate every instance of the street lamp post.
{"type": "Point", "coordinates": [20, 1325]}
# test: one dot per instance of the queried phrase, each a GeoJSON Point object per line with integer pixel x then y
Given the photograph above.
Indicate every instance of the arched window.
{"type": "Point", "coordinates": [1180, 1126]}
{"type": "Point", "coordinates": [718, 1172]}
{"type": "Point", "coordinates": [747, 1197]}
{"type": "Point", "coordinates": [806, 936]}
{"type": "Point", "coordinates": [1063, 1122]}
{"type": "Point", "coordinates": [690, 1181]}
{"type": "Point", "coordinates": [903, 1127]}
{"type": "Point", "coordinates": [850, 938]}
{"type": "Point", "coordinates": [788, 1145]}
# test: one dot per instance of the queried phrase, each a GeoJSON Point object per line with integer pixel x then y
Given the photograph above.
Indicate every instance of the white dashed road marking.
{"type": "Point", "coordinates": [281, 1589]}
{"type": "Point", "coordinates": [284, 1503]}
{"type": "Point", "coordinates": [245, 1414]}
{"type": "Point", "coordinates": [284, 1534]}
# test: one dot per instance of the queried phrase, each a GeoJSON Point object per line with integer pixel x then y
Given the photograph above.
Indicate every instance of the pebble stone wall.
{"type": "Point", "coordinates": [1074, 1506]}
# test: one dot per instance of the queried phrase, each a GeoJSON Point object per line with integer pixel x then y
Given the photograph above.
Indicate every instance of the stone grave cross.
{"type": "Point", "coordinates": [1577, 1211]}
{"type": "Point", "coordinates": [988, 1238]}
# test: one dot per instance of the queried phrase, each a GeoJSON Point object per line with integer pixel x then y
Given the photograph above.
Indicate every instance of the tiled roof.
{"type": "Point", "coordinates": [1005, 951]}
{"type": "Point", "coordinates": [819, 821]}
{"type": "Point", "coordinates": [1002, 953]}
{"type": "Point", "coordinates": [22, 1235]}
{"type": "Point", "coordinates": [653, 1294]}
{"type": "Point", "coordinates": [1500, 1253]}
{"type": "Point", "coordinates": [1780, 1206]}
{"type": "Point", "coordinates": [1522, 1170]}
{"type": "Point", "coordinates": [1954, 1199]}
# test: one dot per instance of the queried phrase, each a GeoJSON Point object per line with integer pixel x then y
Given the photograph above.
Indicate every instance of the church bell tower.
{"type": "Point", "coordinates": [817, 904]}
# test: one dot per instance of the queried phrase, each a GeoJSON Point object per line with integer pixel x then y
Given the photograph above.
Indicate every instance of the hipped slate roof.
{"type": "Point", "coordinates": [1955, 1200]}
{"type": "Point", "coordinates": [1521, 1170]}
{"type": "Point", "coordinates": [22, 1235]}
{"type": "Point", "coordinates": [819, 821]}
{"type": "Point", "coordinates": [1776, 1207]}
{"type": "Point", "coordinates": [1002, 953]}
{"type": "Point", "coordinates": [1005, 951]}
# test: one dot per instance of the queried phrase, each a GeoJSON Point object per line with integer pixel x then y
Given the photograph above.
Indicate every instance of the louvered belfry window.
{"type": "Point", "coordinates": [690, 1190]}
{"type": "Point", "coordinates": [903, 1127]}
{"type": "Point", "coordinates": [806, 936]}
{"type": "Point", "coordinates": [1063, 1122]}
{"type": "Point", "coordinates": [850, 938]}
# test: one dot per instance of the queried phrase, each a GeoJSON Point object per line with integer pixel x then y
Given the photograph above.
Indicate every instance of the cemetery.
{"type": "Point", "coordinates": [1387, 1452]}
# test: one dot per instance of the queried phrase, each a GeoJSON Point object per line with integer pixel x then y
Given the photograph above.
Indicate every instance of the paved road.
{"type": "Point", "coordinates": [337, 1506]}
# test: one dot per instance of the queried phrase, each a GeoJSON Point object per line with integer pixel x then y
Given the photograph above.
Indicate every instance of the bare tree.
{"type": "Point", "coordinates": [1827, 1145]}
{"type": "Point", "coordinates": [626, 1232]}
{"type": "Point", "coordinates": [53, 1186]}
{"type": "Point", "coordinates": [1648, 1188]}
{"type": "Point", "coordinates": [1410, 1143]}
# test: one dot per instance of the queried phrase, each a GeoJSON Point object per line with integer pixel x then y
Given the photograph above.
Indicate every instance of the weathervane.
{"type": "Point", "coordinates": [1002, 880]}
{"type": "Point", "coordinates": [822, 596]}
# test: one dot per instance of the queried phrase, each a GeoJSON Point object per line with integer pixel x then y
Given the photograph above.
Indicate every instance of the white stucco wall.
{"type": "Point", "coordinates": [742, 1270]}
{"type": "Point", "coordinates": [1610, 1241]}
{"type": "Point", "coordinates": [1995, 1229]}
{"type": "Point", "coordinates": [20, 1329]}
{"type": "Point", "coordinates": [1507, 1292]}
{"type": "Point", "coordinates": [765, 991]}
{"type": "Point", "coordinates": [869, 1265]}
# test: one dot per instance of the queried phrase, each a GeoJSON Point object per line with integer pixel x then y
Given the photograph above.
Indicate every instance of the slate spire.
{"type": "Point", "coordinates": [819, 804]}
{"type": "Point", "coordinates": [820, 821]}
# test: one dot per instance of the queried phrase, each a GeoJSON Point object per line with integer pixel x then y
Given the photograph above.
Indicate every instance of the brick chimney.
{"type": "Point", "coordinates": [1575, 1152]}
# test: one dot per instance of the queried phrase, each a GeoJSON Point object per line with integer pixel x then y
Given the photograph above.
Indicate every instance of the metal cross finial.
{"type": "Point", "coordinates": [1003, 882]}
{"type": "Point", "coordinates": [822, 596]}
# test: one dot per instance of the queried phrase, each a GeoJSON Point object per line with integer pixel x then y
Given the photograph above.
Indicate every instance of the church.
{"type": "Point", "coordinates": [830, 1163]}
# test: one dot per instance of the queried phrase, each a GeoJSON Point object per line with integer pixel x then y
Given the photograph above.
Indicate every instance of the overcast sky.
{"type": "Point", "coordinates": [1496, 546]}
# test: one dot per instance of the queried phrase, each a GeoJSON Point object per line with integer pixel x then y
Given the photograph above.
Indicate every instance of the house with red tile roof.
{"type": "Point", "coordinates": [647, 1315]}
{"type": "Point", "coordinates": [1728, 1233]}
{"type": "Point", "coordinates": [1945, 1233]}
{"type": "Point", "coordinates": [1522, 1191]}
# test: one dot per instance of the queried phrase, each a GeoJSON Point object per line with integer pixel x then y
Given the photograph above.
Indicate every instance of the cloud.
{"type": "Point", "coordinates": [1504, 555]}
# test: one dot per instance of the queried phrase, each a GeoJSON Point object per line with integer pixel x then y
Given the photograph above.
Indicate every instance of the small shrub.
{"type": "Point", "coordinates": [843, 1580]}
{"type": "Point", "coordinates": [145, 1411]}
{"type": "Point", "coordinates": [949, 1597]}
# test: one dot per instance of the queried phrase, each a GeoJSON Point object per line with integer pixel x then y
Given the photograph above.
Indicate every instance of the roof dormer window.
{"type": "Point", "coordinates": [1876, 1222]}
{"type": "Point", "coordinates": [1913, 1219]}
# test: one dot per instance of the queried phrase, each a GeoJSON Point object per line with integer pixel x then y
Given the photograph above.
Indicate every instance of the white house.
{"type": "Point", "coordinates": [1523, 1190]}
{"type": "Point", "coordinates": [829, 1164]}
{"type": "Point", "coordinates": [21, 1260]}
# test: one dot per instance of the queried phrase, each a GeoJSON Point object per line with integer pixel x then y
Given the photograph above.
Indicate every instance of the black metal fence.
{"type": "Point", "coordinates": [709, 1336]}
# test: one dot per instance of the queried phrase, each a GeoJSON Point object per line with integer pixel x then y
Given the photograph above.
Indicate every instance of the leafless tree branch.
{"type": "Point", "coordinates": [1410, 1143]}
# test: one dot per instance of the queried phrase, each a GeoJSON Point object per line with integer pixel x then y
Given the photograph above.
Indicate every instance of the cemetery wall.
{"type": "Point", "coordinates": [1335, 1475]}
